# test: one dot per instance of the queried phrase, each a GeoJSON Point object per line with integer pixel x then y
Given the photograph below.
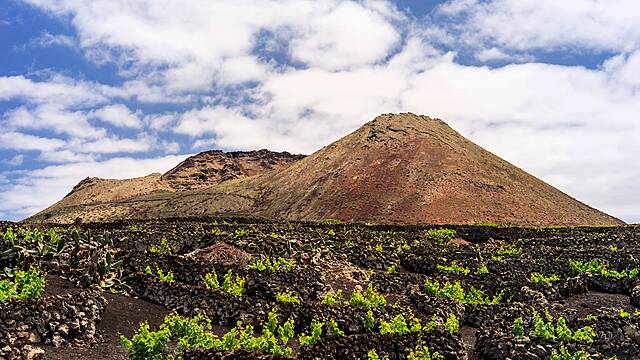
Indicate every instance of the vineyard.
{"type": "Point", "coordinates": [247, 289]}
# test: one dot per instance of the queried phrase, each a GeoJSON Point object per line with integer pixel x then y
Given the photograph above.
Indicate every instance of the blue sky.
{"type": "Point", "coordinates": [119, 89]}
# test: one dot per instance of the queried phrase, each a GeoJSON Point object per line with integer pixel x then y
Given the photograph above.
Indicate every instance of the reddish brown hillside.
{"type": "Point", "coordinates": [212, 167]}
{"type": "Point", "coordinates": [402, 168]}
{"type": "Point", "coordinates": [414, 169]}
{"type": "Point", "coordinates": [198, 171]}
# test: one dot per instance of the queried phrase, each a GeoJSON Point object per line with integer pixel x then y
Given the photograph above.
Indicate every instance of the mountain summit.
{"type": "Point", "coordinates": [398, 168]}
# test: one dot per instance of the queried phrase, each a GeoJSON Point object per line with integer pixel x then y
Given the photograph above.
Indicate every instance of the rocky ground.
{"type": "Point", "coordinates": [474, 292]}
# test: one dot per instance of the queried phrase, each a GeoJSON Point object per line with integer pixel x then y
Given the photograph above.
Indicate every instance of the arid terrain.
{"type": "Point", "coordinates": [214, 288]}
{"type": "Point", "coordinates": [198, 171]}
{"type": "Point", "coordinates": [396, 169]}
{"type": "Point", "coordinates": [402, 240]}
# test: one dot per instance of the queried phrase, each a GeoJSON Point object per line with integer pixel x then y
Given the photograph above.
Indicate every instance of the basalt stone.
{"type": "Point", "coordinates": [31, 321]}
{"type": "Point", "coordinates": [635, 296]}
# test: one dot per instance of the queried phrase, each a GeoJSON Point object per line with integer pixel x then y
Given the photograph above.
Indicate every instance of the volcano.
{"type": "Point", "coordinates": [396, 169]}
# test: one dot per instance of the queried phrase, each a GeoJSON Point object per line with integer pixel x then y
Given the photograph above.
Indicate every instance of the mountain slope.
{"type": "Point", "coordinates": [213, 167]}
{"type": "Point", "coordinates": [198, 171]}
{"type": "Point", "coordinates": [400, 168]}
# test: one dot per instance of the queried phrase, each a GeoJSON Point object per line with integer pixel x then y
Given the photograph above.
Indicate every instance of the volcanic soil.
{"type": "Point", "coordinates": [467, 287]}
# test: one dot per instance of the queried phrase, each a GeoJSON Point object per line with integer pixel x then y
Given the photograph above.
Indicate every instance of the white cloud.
{"type": "Point", "coordinates": [495, 54]}
{"type": "Point", "coordinates": [243, 69]}
{"type": "Point", "coordinates": [161, 122]}
{"type": "Point", "coordinates": [110, 145]}
{"type": "Point", "coordinates": [52, 117]}
{"type": "Point", "coordinates": [625, 69]}
{"type": "Point", "coordinates": [20, 141]}
{"type": "Point", "coordinates": [59, 89]}
{"type": "Point", "coordinates": [546, 24]}
{"type": "Point", "coordinates": [190, 45]}
{"type": "Point", "coordinates": [118, 115]}
{"type": "Point", "coordinates": [347, 35]}
{"type": "Point", "coordinates": [63, 156]}
{"type": "Point", "coordinates": [37, 189]}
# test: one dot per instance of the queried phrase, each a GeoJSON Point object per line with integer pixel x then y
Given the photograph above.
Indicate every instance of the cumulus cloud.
{"type": "Point", "coordinates": [60, 90]}
{"type": "Point", "coordinates": [347, 35]}
{"type": "Point", "coordinates": [625, 69]}
{"type": "Point", "coordinates": [52, 117]}
{"type": "Point", "coordinates": [118, 115]}
{"type": "Point", "coordinates": [19, 141]}
{"type": "Point", "coordinates": [590, 25]}
{"type": "Point", "coordinates": [189, 46]}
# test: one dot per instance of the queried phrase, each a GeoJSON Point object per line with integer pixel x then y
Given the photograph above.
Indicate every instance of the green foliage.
{"type": "Point", "coordinates": [196, 333]}
{"type": "Point", "coordinates": [545, 329]}
{"type": "Point", "coordinates": [369, 299]}
{"type": "Point", "coordinates": [211, 280]}
{"type": "Point", "coordinates": [238, 233]}
{"type": "Point", "coordinates": [286, 331]}
{"type": "Point", "coordinates": [397, 325]}
{"type": "Point", "coordinates": [332, 298]}
{"type": "Point", "coordinates": [334, 329]}
{"type": "Point", "coordinates": [315, 332]}
{"type": "Point", "coordinates": [369, 320]}
{"type": "Point", "coordinates": [430, 325]}
{"type": "Point", "coordinates": [562, 330]}
{"type": "Point", "coordinates": [564, 354]}
{"type": "Point", "coordinates": [276, 265]}
{"type": "Point", "coordinates": [440, 236]}
{"type": "Point", "coordinates": [518, 327]}
{"type": "Point", "coordinates": [421, 352]}
{"type": "Point", "coordinates": [330, 222]}
{"type": "Point", "coordinates": [591, 317]}
{"type": "Point", "coordinates": [542, 328]}
{"type": "Point", "coordinates": [454, 267]}
{"type": "Point", "coordinates": [452, 324]}
{"type": "Point", "coordinates": [538, 278]}
{"type": "Point", "coordinates": [596, 266]}
{"type": "Point", "coordinates": [168, 277]}
{"type": "Point", "coordinates": [454, 291]}
{"type": "Point", "coordinates": [508, 249]}
{"type": "Point", "coordinates": [584, 334]}
{"type": "Point", "coordinates": [163, 248]}
{"type": "Point", "coordinates": [287, 297]}
{"type": "Point", "coordinates": [192, 333]}
{"type": "Point", "coordinates": [624, 314]}
{"type": "Point", "coordinates": [393, 269]}
{"type": "Point", "coordinates": [9, 235]}
{"type": "Point", "coordinates": [25, 285]}
{"type": "Point", "coordinates": [487, 224]}
{"type": "Point", "coordinates": [373, 355]}
{"type": "Point", "coordinates": [146, 345]}
{"type": "Point", "coordinates": [482, 269]}
{"type": "Point", "coordinates": [232, 285]}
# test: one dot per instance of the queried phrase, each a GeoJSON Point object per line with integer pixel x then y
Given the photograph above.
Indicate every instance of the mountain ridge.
{"type": "Point", "coordinates": [398, 168]}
